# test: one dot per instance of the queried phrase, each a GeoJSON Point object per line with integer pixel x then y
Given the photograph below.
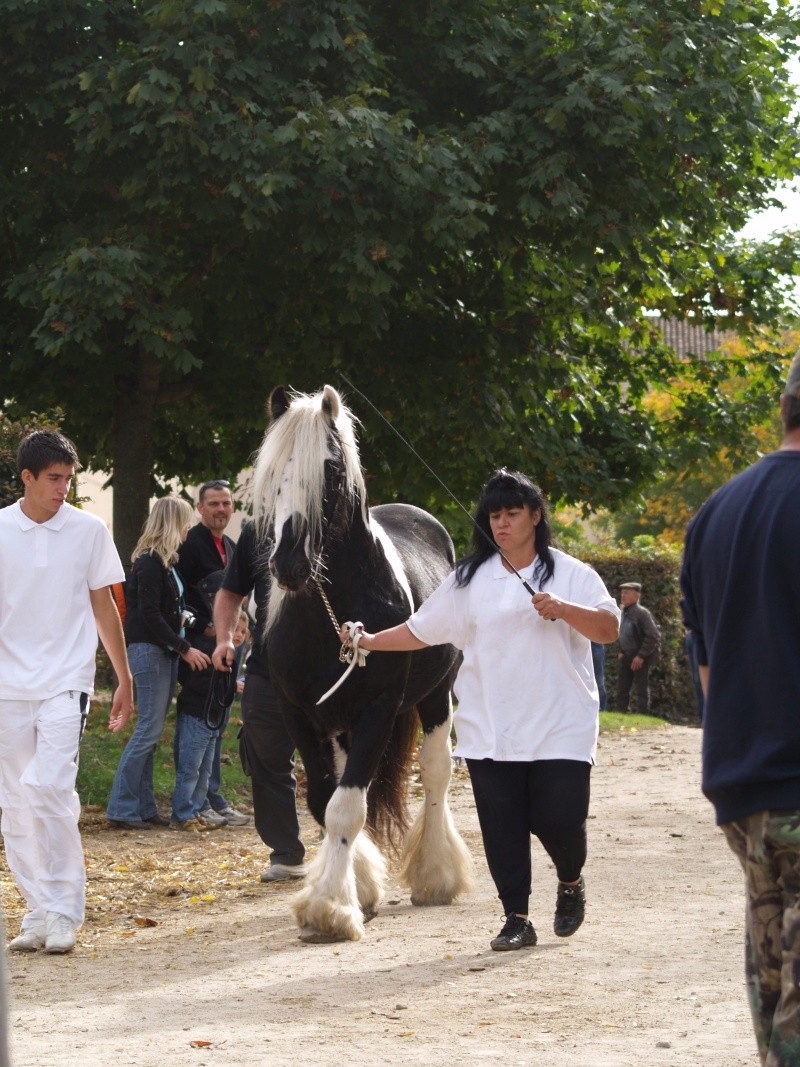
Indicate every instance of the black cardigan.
{"type": "Point", "coordinates": [153, 606]}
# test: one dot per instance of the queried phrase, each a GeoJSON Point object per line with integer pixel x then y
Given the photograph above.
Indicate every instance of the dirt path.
{"type": "Point", "coordinates": [654, 976]}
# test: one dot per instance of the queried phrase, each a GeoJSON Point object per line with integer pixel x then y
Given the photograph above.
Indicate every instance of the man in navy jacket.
{"type": "Point", "coordinates": [741, 587]}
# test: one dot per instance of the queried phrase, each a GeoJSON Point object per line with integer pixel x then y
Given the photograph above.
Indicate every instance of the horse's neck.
{"type": "Point", "coordinates": [360, 532]}
{"type": "Point", "coordinates": [354, 552]}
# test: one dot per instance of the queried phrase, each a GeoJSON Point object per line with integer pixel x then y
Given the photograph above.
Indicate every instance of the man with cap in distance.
{"type": "Point", "coordinates": [740, 582]}
{"type": "Point", "coordinates": [639, 642]}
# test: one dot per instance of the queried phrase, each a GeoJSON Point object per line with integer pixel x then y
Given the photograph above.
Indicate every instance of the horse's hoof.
{"type": "Point", "coordinates": [428, 899]}
{"type": "Point", "coordinates": [369, 914]}
{"type": "Point", "coordinates": [311, 936]}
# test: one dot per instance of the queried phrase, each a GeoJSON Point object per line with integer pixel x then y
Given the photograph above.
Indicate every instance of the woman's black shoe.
{"type": "Point", "coordinates": [570, 908]}
{"type": "Point", "coordinates": [517, 933]}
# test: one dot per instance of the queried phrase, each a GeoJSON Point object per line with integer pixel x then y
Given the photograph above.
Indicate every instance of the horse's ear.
{"type": "Point", "coordinates": [330, 402]}
{"type": "Point", "coordinates": [278, 403]}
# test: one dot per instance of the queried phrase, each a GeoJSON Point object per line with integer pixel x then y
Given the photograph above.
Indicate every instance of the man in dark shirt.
{"type": "Point", "coordinates": [207, 548]}
{"type": "Point", "coordinates": [741, 598]}
{"type": "Point", "coordinates": [266, 749]}
{"type": "Point", "coordinates": [204, 553]}
{"type": "Point", "coordinates": [639, 642]}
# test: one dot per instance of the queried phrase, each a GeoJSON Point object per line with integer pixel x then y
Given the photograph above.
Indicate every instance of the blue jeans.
{"type": "Point", "coordinates": [155, 673]}
{"type": "Point", "coordinates": [196, 746]}
{"type": "Point", "coordinates": [599, 664]}
{"type": "Point", "coordinates": [215, 799]}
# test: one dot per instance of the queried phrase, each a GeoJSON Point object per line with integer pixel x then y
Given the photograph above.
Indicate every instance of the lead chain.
{"type": "Point", "coordinates": [345, 654]}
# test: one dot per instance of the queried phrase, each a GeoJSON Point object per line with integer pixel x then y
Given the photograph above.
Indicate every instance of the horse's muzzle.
{"type": "Point", "coordinates": [292, 578]}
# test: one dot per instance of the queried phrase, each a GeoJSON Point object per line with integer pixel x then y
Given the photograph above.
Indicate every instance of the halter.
{"type": "Point", "coordinates": [319, 557]}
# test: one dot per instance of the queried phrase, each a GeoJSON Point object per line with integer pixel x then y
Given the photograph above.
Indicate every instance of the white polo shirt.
{"type": "Point", "coordinates": [48, 635]}
{"type": "Point", "coordinates": [526, 689]}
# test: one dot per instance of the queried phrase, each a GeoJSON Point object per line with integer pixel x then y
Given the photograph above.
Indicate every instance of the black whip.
{"type": "Point", "coordinates": [221, 691]}
{"type": "Point", "coordinates": [430, 470]}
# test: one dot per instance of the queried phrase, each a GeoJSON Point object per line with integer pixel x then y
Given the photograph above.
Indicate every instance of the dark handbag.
{"type": "Point", "coordinates": [221, 691]}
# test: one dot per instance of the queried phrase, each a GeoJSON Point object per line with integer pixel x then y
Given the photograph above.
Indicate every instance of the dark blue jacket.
{"type": "Point", "coordinates": [741, 594]}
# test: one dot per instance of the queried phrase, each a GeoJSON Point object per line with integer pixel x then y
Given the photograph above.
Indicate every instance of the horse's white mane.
{"type": "Point", "coordinates": [300, 436]}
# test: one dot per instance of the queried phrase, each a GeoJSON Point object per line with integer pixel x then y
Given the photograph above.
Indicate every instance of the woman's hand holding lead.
{"type": "Point", "coordinates": [346, 635]}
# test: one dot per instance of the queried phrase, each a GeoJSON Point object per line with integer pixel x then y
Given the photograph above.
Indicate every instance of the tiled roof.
{"type": "Point", "coordinates": [685, 338]}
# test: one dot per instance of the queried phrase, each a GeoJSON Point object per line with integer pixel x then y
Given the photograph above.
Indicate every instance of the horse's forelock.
{"type": "Point", "coordinates": [301, 434]}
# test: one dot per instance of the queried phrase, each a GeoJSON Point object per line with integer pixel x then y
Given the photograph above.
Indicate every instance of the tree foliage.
{"type": "Point", "coordinates": [462, 206]}
{"type": "Point", "coordinates": [748, 380]}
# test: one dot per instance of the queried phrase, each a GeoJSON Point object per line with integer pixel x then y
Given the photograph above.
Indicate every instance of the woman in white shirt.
{"type": "Point", "coordinates": [527, 718]}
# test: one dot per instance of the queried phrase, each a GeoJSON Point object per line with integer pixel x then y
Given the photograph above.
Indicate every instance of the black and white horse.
{"type": "Point", "coordinates": [336, 560]}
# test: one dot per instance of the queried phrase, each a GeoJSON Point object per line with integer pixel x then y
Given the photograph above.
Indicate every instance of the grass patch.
{"type": "Point", "coordinates": [100, 752]}
{"type": "Point", "coordinates": [101, 749]}
{"type": "Point", "coordinates": [628, 722]}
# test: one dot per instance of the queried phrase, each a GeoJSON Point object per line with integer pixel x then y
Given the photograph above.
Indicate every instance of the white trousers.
{"type": "Point", "coordinates": [39, 742]}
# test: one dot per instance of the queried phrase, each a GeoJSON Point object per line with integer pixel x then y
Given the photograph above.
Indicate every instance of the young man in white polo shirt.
{"type": "Point", "coordinates": [57, 564]}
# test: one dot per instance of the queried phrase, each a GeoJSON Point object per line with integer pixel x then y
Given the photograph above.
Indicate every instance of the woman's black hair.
{"type": "Point", "coordinates": [508, 489]}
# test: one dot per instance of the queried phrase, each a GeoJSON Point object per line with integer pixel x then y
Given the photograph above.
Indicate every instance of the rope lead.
{"type": "Point", "coordinates": [350, 654]}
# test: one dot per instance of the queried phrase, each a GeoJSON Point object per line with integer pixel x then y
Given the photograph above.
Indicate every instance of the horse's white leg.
{"type": "Point", "coordinates": [371, 873]}
{"type": "Point", "coordinates": [327, 908]}
{"type": "Point", "coordinates": [437, 866]}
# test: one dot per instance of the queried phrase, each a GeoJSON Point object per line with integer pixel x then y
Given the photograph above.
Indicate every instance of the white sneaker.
{"type": "Point", "coordinates": [212, 819]}
{"type": "Point", "coordinates": [30, 940]}
{"type": "Point", "coordinates": [60, 933]}
{"type": "Point", "coordinates": [233, 817]}
{"type": "Point", "coordinates": [283, 872]}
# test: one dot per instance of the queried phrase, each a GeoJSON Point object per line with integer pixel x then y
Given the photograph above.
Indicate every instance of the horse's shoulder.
{"type": "Point", "coordinates": [415, 533]}
{"type": "Point", "coordinates": [402, 516]}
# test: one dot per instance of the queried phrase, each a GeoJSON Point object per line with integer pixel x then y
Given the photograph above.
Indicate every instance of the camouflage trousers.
{"type": "Point", "coordinates": [767, 845]}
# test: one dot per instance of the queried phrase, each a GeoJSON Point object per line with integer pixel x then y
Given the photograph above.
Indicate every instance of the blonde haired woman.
{"type": "Point", "coordinates": [154, 636]}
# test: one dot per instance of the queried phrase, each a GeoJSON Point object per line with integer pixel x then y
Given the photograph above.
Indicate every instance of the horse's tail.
{"type": "Point", "coordinates": [387, 799]}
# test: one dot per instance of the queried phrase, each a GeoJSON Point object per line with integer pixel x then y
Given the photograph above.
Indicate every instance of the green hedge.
{"type": "Point", "coordinates": [671, 690]}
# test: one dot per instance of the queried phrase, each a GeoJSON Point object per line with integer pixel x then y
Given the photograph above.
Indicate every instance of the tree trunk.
{"type": "Point", "coordinates": [133, 453]}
